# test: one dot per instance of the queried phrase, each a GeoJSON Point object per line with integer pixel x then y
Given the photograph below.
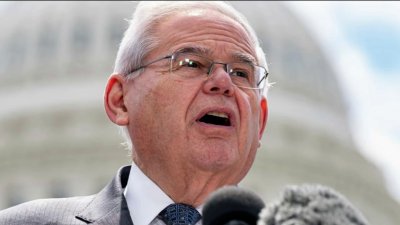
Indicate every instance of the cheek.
{"type": "Point", "coordinates": [156, 94]}
{"type": "Point", "coordinates": [249, 112]}
{"type": "Point", "coordinates": [256, 110]}
{"type": "Point", "coordinates": [169, 104]}
{"type": "Point", "coordinates": [162, 104]}
{"type": "Point", "coordinates": [255, 107]}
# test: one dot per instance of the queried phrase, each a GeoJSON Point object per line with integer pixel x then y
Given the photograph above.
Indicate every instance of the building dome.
{"type": "Point", "coordinates": [54, 62]}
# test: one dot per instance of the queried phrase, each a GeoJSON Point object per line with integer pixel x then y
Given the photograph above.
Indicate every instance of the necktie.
{"type": "Point", "coordinates": [179, 214]}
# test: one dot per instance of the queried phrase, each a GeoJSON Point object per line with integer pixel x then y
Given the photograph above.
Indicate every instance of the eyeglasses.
{"type": "Point", "coordinates": [189, 65]}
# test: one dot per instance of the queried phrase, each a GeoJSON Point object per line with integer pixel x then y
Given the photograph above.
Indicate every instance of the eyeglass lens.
{"type": "Point", "coordinates": [242, 74]}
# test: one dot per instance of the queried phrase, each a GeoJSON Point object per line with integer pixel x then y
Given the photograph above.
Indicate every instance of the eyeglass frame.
{"type": "Point", "coordinates": [209, 70]}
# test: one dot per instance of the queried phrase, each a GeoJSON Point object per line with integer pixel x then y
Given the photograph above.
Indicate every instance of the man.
{"type": "Point", "coordinates": [188, 90]}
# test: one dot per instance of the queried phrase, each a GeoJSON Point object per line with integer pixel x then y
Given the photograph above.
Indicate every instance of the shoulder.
{"type": "Point", "coordinates": [62, 210]}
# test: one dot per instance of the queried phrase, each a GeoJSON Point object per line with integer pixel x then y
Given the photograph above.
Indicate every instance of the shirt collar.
{"type": "Point", "coordinates": [145, 199]}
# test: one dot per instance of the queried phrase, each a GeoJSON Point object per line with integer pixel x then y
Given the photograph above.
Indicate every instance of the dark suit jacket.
{"type": "Point", "coordinates": [108, 207]}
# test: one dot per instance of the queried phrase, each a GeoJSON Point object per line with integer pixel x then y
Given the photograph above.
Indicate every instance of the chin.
{"type": "Point", "coordinates": [217, 159]}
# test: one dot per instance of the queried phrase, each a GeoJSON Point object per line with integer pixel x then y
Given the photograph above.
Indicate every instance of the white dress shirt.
{"type": "Point", "coordinates": [145, 199]}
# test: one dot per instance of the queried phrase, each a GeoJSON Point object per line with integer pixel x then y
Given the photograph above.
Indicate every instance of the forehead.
{"type": "Point", "coordinates": [207, 29]}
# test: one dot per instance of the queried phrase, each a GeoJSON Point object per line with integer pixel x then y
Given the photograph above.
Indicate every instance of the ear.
{"type": "Point", "coordinates": [114, 100]}
{"type": "Point", "coordinates": [263, 116]}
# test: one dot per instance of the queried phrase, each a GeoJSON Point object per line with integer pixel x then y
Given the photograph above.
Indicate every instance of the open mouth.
{"type": "Point", "coordinates": [216, 118]}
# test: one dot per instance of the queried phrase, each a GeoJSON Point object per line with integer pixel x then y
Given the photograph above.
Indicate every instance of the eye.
{"type": "Point", "coordinates": [189, 63]}
{"type": "Point", "coordinates": [240, 73]}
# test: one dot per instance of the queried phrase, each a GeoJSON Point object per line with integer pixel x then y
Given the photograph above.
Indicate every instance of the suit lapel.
{"type": "Point", "coordinates": [109, 206]}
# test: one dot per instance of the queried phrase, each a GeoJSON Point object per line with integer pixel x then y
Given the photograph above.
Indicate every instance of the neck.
{"type": "Point", "coordinates": [194, 190]}
{"type": "Point", "coordinates": [186, 187]}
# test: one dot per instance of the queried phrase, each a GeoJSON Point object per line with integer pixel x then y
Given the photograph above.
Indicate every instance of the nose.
{"type": "Point", "coordinates": [219, 82]}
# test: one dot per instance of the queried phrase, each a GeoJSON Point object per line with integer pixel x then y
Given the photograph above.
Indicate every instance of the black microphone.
{"type": "Point", "coordinates": [311, 205]}
{"type": "Point", "coordinates": [232, 206]}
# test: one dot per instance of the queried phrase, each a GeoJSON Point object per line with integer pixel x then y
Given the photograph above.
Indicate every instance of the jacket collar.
{"type": "Point", "coordinates": [109, 205]}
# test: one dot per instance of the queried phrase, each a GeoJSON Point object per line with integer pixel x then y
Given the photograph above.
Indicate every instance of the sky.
{"type": "Point", "coordinates": [362, 41]}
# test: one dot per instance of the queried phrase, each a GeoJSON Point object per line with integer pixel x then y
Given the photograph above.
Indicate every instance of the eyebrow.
{"type": "Point", "coordinates": [195, 50]}
{"type": "Point", "coordinates": [243, 57]}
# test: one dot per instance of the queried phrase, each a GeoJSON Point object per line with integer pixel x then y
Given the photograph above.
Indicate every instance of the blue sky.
{"type": "Point", "coordinates": [378, 39]}
{"type": "Point", "coordinates": [362, 40]}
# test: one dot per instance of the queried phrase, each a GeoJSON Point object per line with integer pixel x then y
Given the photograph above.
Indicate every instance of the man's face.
{"type": "Point", "coordinates": [167, 112]}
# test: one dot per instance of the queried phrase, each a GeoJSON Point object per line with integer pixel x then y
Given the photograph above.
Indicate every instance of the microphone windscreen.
{"type": "Point", "coordinates": [232, 205]}
{"type": "Point", "coordinates": [311, 205]}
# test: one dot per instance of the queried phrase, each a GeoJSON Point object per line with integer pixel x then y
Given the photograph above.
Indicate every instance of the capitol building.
{"type": "Point", "coordinates": [56, 140]}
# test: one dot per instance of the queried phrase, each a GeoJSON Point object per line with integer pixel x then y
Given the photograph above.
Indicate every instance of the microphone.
{"type": "Point", "coordinates": [311, 205]}
{"type": "Point", "coordinates": [231, 205]}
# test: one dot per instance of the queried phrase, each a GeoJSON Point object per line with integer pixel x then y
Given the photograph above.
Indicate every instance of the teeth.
{"type": "Point", "coordinates": [219, 114]}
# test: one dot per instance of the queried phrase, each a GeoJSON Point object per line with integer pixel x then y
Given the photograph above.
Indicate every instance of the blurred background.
{"type": "Point", "coordinates": [333, 109]}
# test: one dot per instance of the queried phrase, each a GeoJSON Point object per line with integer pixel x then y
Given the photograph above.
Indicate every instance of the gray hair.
{"type": "Point", "coordinates": [139, 39]}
